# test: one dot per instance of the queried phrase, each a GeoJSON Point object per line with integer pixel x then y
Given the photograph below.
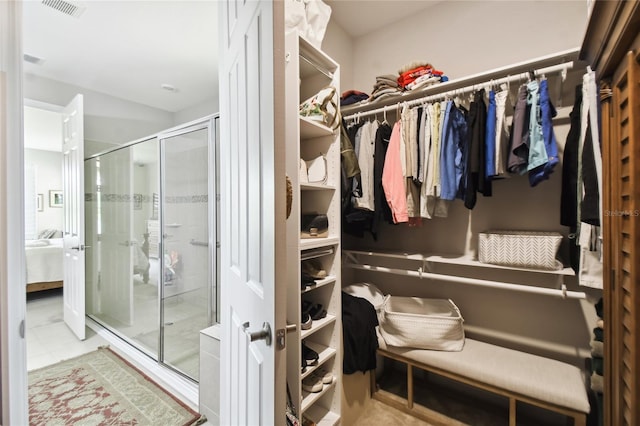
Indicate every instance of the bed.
{"type": "Point", "coordinates": [44, 264]}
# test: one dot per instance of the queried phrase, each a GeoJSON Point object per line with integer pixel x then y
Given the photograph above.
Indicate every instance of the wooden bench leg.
{"type": "Point", "coordinates": [512, 412]}
{"type": "Point", "coordinates": [409, 386]}
{"type": "Point", "coordinates": [580, 420]}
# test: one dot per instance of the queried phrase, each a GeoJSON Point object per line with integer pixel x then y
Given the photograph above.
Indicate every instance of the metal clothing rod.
{"type": "Point", "coordinates": [316, 66]}
{"type": "Point", "coordinates": [474, 281]}
{"type": "Point", "coordinates": [564, 67]}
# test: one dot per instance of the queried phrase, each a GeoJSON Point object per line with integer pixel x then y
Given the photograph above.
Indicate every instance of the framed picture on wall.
{"type": "Point", "coordinates": [55, 198]}
{"type": "Point", "coordinates": [40, 202]}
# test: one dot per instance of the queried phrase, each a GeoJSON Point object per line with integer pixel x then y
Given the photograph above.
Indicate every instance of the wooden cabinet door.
{"type": "Point", "coordinates": [622, 212]}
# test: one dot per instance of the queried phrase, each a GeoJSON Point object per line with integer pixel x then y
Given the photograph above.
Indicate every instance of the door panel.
{"type": "Point", "coordinates": [252, 210]}
{"type": "Point", "coordinates": [73, 212]}
{"type": "Point", "coordinates": [622, 295]}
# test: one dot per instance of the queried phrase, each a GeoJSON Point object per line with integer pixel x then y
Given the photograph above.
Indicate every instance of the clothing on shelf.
{"type": "Point", "coordinates": [393, 182]}
{"type": "Point", "coordinates": [382, 210]}
{"type": "Point", "coordinates": [365, 151]}
{"type": "Point", "coordinates": [385, 86]}
{"type": "Point", "coordinates": [359, 321]}
{"type": "Point", "coordinates": [519, 147]}
{"type": "Point", "coordinates": [351, 97]}
{"type": "Point", "coordinates": [581, 198]}
{"type": "Point", "coordinates": [444, 150]}
{"type": "Point", "coordinates": [476, 125]}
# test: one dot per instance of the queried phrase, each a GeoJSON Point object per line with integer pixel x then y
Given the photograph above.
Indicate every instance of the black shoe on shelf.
{"type": "Point", "coordinates": [309, 355]}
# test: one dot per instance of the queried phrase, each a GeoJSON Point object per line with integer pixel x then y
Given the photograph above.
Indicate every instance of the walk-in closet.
{"type": "Point", "coordinates": [530, 346]}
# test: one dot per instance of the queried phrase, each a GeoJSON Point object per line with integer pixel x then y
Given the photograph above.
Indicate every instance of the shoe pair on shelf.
{"type": "Point", "coordinates": [309, 357]}
{"type": "Point", "coordinates": [313, 268]}
{"type": "Point", "coordinates": [310, 312]}
{"type": "Point", "coordinates": [306, 280]}
{"type": "Point", "coordinates": [316, 380]}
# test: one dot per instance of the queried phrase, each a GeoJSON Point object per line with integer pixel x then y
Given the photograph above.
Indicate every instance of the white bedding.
{"type": "Point", "coordinates": [44, 260]}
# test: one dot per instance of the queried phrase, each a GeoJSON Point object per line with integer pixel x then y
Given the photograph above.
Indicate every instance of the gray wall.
{"type": "Point", "coordinates": [49, 177]}
{"type": "Point", "coordinates": [110, 121]}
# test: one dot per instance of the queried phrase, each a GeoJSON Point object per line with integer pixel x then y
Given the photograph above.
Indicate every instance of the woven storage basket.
{"type": "Point", "coordinates": [522, 249]}
{"type": "Point", "coordinates": [422, 323]}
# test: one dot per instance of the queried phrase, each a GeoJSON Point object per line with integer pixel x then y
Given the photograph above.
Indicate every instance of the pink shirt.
{"type": "Point", "coordinates": [393, 182]}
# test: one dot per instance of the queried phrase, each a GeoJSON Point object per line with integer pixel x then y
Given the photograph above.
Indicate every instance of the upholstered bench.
{"type": "Point", "coordinates": [519, 376]}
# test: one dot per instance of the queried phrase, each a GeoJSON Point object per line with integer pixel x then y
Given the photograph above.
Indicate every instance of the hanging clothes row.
{"type": "Point", "coordinates": [441, 151]}
{"type": "Point", "coordinates": [581, 197]}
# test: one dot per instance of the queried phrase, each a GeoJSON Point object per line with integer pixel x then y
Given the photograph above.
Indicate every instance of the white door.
{"type": "Point", "coordinates": [252, 211]}
{"type": "Point", "coordinates": [73, 212]}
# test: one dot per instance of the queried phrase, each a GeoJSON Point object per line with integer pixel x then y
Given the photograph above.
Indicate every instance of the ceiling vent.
{"type": "Point", "coordinates": [65, 7]}
{"type": "Point", "coordinates": [32, 59]}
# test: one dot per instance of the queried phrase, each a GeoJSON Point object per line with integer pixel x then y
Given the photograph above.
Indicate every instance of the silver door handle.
{"type": "Point", "coordinates": [125, 244]}
{"type": "Point", "coordinates": [80, 247]}
{"type": "Point", "coordinates": [264, 334]}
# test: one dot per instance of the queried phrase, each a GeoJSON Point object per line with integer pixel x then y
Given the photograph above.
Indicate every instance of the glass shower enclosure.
{"type": "Point", "coordinates": [151, 216]}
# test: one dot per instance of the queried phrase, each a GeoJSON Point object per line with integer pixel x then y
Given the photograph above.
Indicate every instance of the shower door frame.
{"type": "Point", "coordinates": [213, 295]}
{"type": "Point", "coordinates": [213, 241]}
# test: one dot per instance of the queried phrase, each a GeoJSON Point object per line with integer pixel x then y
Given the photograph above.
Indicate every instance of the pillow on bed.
{"type": "Point", "coordinates": [47, 233]}
{"type": "Point", "coordinates": [36, 243]}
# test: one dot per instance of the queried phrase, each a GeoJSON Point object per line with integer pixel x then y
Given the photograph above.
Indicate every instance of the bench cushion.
{"type": "Point", "coordinates": [534, 376]}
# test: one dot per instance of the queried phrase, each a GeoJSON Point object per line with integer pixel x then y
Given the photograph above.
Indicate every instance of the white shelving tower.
{"type": "Point", "coordinates": [308, 70]}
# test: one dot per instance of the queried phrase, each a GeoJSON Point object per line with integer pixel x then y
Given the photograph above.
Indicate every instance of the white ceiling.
{"type": "Point", "coordinates": [360, 17]}
{"type": "Point", "coordinates": [128, 49]}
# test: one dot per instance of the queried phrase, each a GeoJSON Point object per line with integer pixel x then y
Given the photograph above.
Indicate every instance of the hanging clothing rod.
{"type": "Point", "coordinates": [563, 68]}
{"type": "Point", "coordinates": [316, 66]}
{"type": "Point", "coordinates": [562, 292]}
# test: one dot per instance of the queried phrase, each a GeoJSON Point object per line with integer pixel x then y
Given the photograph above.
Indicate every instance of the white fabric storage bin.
{"type": "Point", "coordinates": [520, 249]}
{"type": "Point", "coordinates": [422, 323]}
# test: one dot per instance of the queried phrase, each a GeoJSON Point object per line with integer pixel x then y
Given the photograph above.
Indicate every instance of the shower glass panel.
{"type": "Point", "coordinates": [122, 266]}
{"type": "Point", "coordinates": [186, 293]}
{"type": "Point", "coordinates": [151, 236]}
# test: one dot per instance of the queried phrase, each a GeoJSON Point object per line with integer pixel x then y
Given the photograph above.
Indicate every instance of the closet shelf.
{"type": "Point", "coordinates": [311, 243]}
{"type": "Point", "coordinates": [316, 187]}
{"type": "Point", "coordinates": [308, 398]}
{"type": "Point", "coordinates": [310, 128]}
{"type": "Point", "coordinates": [317, 325]}
{"type": "Point", "coordinates": [322, 416]}
{"type": "Point", "coordinates": [320, 283]}
{"type": "Point", "coordinates": [480, 79]}
{"type": "Point", "coordinates": [454, 259]}
{"type": "Point", "coordinates": [315, 60]}
{"type": "Point", "coordinates": [324, 354]}
{"type": "Point", "coordinates": [422, 272]}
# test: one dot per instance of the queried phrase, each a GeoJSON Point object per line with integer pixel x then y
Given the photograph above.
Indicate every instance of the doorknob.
{"type": "Point", "coordinates": [80, 247]}
{"type": "Point", "coordinates": [125, 244]}
{"type": "Point", "coordinates": [264, 334]}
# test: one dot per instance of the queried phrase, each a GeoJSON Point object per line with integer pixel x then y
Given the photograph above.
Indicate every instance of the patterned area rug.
{"type": "Point", "coordinates": [101, 388]}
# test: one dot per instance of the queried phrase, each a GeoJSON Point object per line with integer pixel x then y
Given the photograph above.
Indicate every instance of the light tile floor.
{"type": "Point", "coordinates": [49, 340]}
